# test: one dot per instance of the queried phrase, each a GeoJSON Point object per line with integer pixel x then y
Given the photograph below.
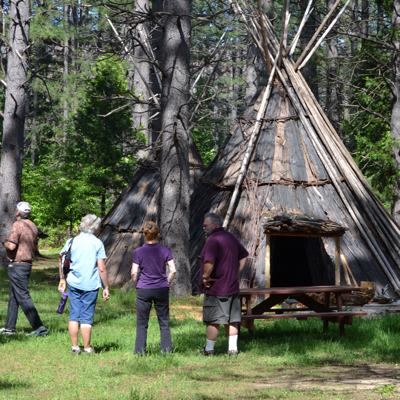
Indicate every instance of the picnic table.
{"type": "Point", "coordinates": [314, 309]}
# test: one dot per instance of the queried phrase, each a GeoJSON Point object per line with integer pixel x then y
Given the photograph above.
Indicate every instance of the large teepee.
{"type": "Point", "coordinates": [293, 161]}
{"type": "Point", "coordinates": [138, 203]}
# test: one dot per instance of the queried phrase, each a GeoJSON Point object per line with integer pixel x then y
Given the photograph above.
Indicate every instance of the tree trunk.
{"type": "Point", "coordinates": [309, 71]}
{"type": "Point", "coordinates": [66, 60]}
{"type": "Point", "coordinates": [332, 92]}
{"type": "Point", "coordinates": [395, 117]}
{"type": "Point", "coordinates": [233, 95]}
{"type": "Point", "coordinates": [256, 73]}
{"type": "Point", "coordinates": [156, 42]}
{"type": "Point", "coordinates": [251, 72]}
{"type": "Point", "coordinates": [35, 109]}
{"type": "Point", "coordinates": [364, 17]}
{"type": "Point", "coordinates": [354, 26]}
{"type": "Point", "coordinates": [174, 163]}
{"type": "Point", "coordinates": [141, 111]}
{"type": "Point", "coordinates": [14, 117]}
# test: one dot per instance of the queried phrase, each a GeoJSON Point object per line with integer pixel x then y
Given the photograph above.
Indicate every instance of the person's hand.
{"type": "Point", "coordinates": [62, 286]}
{"type": "Point", "coordinates": [3, 239]}
{"type": "Point", "coordinates": [207, 282]}
{"type": "Point", "coordinates": [106, 294]}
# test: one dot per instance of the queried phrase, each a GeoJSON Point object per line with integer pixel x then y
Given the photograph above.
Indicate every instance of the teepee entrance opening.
{"type": "Point", "coordinates": [289, 262]}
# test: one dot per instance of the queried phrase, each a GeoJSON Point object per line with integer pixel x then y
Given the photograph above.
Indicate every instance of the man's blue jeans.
{"type": "Point", "coordinates": [19, 296]}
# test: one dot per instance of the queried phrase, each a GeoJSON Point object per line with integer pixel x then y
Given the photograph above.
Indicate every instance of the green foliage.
{"type": "Point", "coordinates": [96, 159]}
{"type": "Point", "coordinates": [205, 143]}
{"type": "Point", "coordinates": [368, 131]}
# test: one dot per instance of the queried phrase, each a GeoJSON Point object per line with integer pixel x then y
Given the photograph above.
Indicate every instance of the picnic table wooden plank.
{"type": "Point", "coordinates": [329, 315]}
{"type": "Point", "coordinates": [299, 289]}
{"type": "Point", "coordinates": [300, 293]}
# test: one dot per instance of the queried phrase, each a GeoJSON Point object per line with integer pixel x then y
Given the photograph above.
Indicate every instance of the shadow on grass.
{"type": "Point", "coordinates": [304, 343]}
{"type": "Point", "coordinates": [5, 384]}
{"type": "Point", "coordinates": [110, 346]}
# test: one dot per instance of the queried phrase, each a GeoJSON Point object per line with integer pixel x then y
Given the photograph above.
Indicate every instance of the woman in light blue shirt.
{"type": "Point", "coordinates": [87, 274]}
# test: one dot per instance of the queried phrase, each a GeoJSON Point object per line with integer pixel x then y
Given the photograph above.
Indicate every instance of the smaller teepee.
{"type": "Point", "coordinates": [138, 203]}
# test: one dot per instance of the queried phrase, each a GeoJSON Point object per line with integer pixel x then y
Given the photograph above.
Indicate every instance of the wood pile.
{"type": "Point", "coordinates": [358, 298]}
{"type": "Point", "coordinates": [296, 222]}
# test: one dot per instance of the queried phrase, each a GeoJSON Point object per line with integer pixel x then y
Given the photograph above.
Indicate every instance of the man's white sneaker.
{"type": "Point", "coordinates": [89, 351]}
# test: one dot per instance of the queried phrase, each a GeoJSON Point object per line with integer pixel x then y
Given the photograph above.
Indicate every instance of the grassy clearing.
{"type": "Point", "coordinates": [287, 360]}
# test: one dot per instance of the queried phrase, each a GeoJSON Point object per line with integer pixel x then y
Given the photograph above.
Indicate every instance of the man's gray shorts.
{"type": "Point", "coordinates": [221, 310]}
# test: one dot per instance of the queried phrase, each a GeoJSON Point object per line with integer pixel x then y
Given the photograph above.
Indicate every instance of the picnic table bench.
{"type": "Point", "coordinates": [300, 293]}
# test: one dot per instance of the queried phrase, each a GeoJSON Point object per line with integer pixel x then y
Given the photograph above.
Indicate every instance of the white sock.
{"type": "Point", "coordinates": [232, 343]}
{"type": "Point", "coordinates": [75, 347]}
{"type": "Point", "coordinates": [210, 345]}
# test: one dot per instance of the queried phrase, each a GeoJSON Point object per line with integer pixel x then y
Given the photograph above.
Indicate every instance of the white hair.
{"type": "Point", "coordinates": [24, 215]}
{"type": "Point", "coordinates": [90, 223]}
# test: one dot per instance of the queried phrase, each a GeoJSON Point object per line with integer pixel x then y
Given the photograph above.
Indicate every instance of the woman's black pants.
{"type": "Point", "coordinates": [144, 300]}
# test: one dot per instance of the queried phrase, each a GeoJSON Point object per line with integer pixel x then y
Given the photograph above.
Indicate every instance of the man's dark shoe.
{"type": "Point", "coordinates": [5, 331]}
{"type": "Point", "coordinates": [233, 353]}
{"type": "Point", "coordinates": [208, 353]}
{"type": "Point", "coordinates": [42, 331]}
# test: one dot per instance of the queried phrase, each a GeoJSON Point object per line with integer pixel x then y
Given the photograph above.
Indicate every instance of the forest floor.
{"type": "Point", "coordinates": [287, 359]}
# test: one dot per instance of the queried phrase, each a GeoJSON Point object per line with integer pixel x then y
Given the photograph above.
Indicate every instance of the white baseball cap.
{"type": "Point", "coordinates": [23, 206]}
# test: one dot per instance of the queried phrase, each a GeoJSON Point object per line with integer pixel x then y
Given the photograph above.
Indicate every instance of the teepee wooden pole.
{"type": "Point", "coordinates": [281, 47]}
{"type": "Point", "coordinates": [137, 69]}
{"type": "Point", "coordinates": [324, 35]}
{"type": "Point", "coordinates": [306, 15]}
{"type": "Point", "coordinates": [250, 145]}
{"type": "Point", "coordinates": [308, 47]}
{"type": "Point", "coordinates": [267, 271]}
{"type": "Point", "coordinates": [211, 56]}
{"type": "Point", "coordinates": [204, 90]}
{"type": "Point", "coordinates": [146, 35]}
{"type": "Point", "coordinates": [337, 261]}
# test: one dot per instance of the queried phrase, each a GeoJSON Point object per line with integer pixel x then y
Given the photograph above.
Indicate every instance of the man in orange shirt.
{"type": "Point", "coordinates": [20, 246]}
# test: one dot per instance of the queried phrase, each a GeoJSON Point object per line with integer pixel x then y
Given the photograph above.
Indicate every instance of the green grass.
{"type": "Point", "coordinates": [37, 368]}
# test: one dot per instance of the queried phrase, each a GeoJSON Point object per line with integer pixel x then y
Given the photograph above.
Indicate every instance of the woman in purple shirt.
{"type": "Point", "coordinates": [152, 285]}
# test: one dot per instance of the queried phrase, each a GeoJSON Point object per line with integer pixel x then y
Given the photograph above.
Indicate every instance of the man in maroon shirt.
{"type": "Point", "coordinates": [222, 259]}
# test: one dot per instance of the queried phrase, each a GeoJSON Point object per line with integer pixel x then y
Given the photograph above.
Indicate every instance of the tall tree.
{"type": "Point", "coordinates": [364, 18]}
{"type": "Point", "coordinates": [141, 110]}
{"type": "Point", "coordinates": [354, 25]}
{"type": "Point", "coordinates": [395, 117]}
{"type": "Point", "coordinates": [174, 170]}
{"type": "Point", "coordinates": [14, 115]}
{"type": "Point", "coordinates": [332, 92]}
{"type": "Point", "coordinates": [309, 71]}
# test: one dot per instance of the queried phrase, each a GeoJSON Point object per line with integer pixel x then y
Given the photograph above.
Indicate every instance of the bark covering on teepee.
{"type": "Point", "coordinates": [138, 203]}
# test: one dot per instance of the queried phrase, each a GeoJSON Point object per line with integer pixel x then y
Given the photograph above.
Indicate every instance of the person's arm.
{"type": "Point", "coordinates": [63, 283]}
{"type": "Point", "coordinates": [134, 274]}
{"type": "Point", "coordinates": [101, 265]}
{"type": "Point", "coordinates": [242, 263]}
{"type": "Point", "coordinates": [208, 269]}
{"type": "Point", "coordinates": [172, 271]}
{"type": "Point", "coordinates": [8, 245]}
